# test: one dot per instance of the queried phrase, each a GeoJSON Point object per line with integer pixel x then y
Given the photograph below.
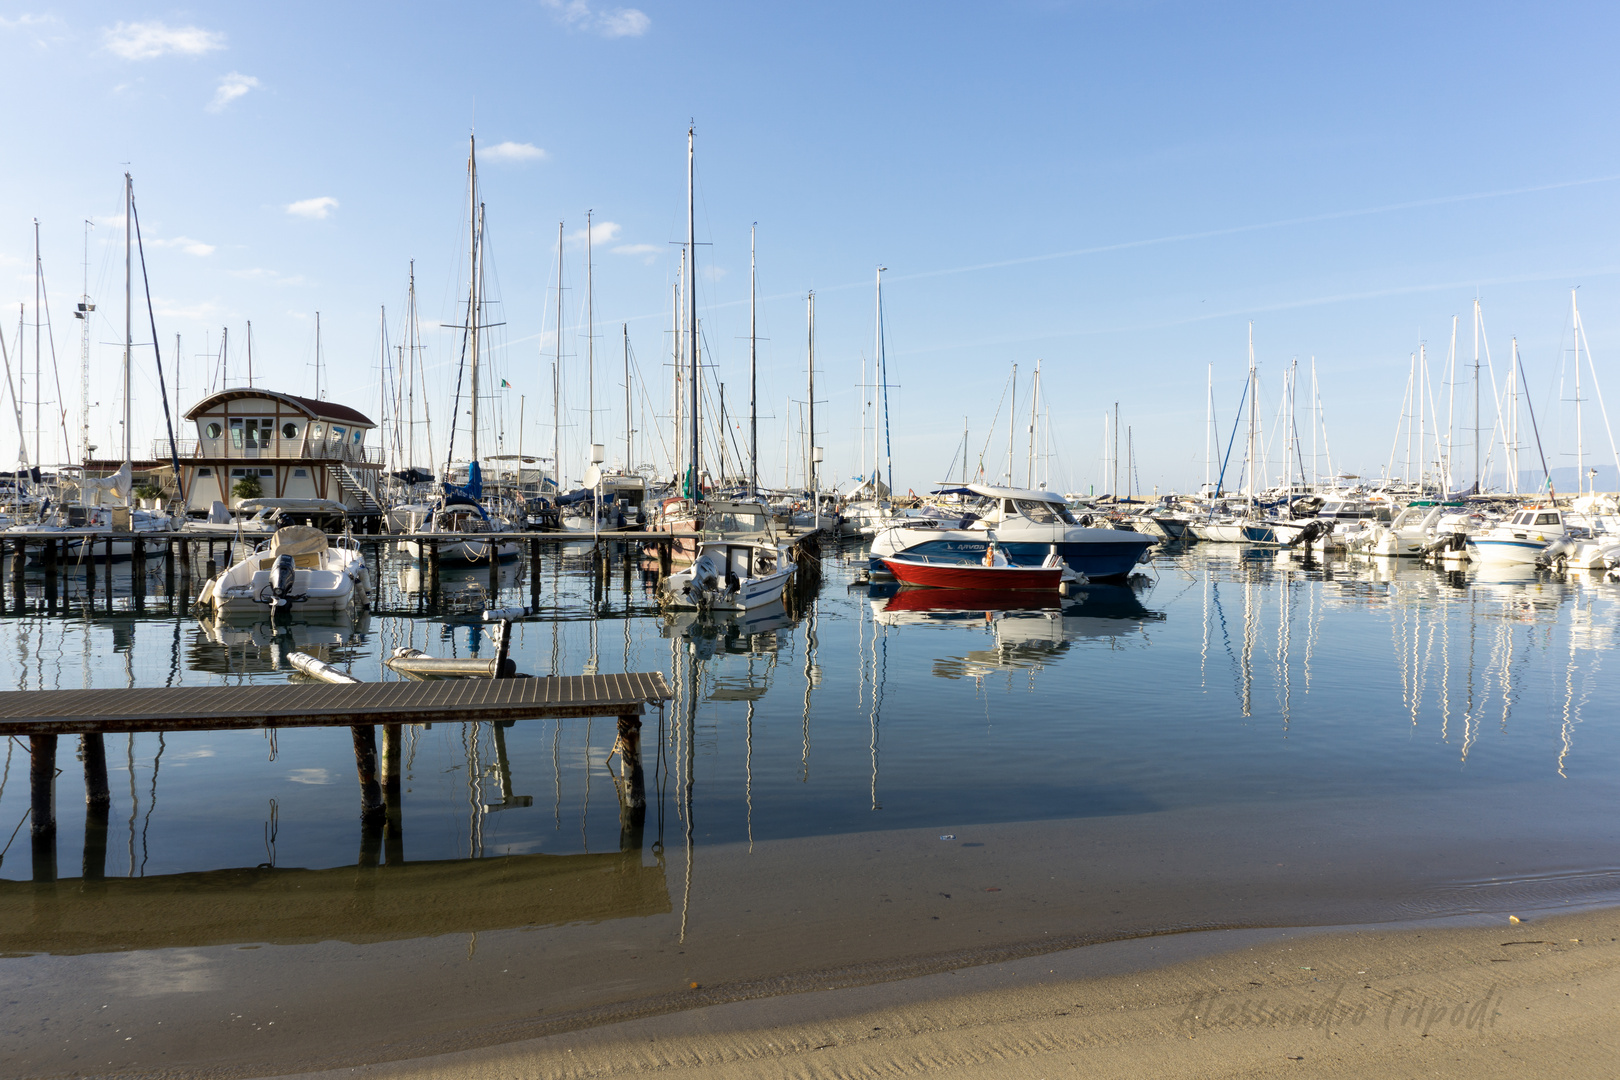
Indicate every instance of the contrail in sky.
{"type": "Point", "coordinates": [1176, 238]}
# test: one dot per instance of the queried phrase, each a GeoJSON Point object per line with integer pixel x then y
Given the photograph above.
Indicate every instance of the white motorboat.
{"type": "Point", "coordinates": [1029, 526]}
{"type": "Point", "coordinates": [1521, 540]}
{"type": "Point", "coordinates": [730, 575]}
{"type": "Point", "coordinates": [297, 568]}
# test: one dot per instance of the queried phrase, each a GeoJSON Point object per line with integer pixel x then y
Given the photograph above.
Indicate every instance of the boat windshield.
{"type": "Point", "coordinates": [734, 522]}
{"type": "Point", "coordinates": [1044, 513]}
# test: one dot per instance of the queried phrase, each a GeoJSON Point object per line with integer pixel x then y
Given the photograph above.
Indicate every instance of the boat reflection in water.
{"type": "Point", "coordinates": [1030, 630]}
{"type": "Point", "coordinates": [736, 632]}
{"type": "Point", "coordinates": [225, 646]}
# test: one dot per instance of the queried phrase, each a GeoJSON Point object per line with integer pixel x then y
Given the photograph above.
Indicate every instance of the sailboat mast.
{"type": "Point", "coordinates": [474, 221]}
{"type": "Point", "coordinates": [677, 462]}
{"type": "Point", "coordinates": [85, 308]}
{"type": "Point", "coordinates": [1476, 396]}
{"type": "Point", "coordinates": [1012, 424]}
{"type": "Point", "coordinates": [250, 352]}
{"type": "Point", "coordinates": [1580, 442]}
{"type": "Point", "coordinates": [556, 373]}
{"type": "Point", "coordinates": [129, 329]}
{"type": "Point", "coordinates": [1209, 428]}
{"type": "Point", "coordinates": [410, 380]}
{"type": "Point", "coordinates": [629, 459]}
{"type": "Point", "coordinates": [1034, 415]}
{"type": "Point", "coordinates": [590, 342]}
{"type": "Point", "coordinates": [691, 315]}
{"type": "Point", "coordinates": [1248, 488]}
{"type": "Point", "coordinates": [810, 449]}
{"type": "Point", "coordinates": [883, 366]}
{"type": "Point", "coordinates": [753, 382]}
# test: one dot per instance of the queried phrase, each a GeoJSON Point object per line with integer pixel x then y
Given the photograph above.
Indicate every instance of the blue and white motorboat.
{"type": "Point", "coordinates": [1521, 540]}
{"type": "Point", "coordinates": [1029, 526]}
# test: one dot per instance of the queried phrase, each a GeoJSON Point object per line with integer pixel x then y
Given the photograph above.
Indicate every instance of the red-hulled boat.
{"type": "Point", "coordinates": [958, 575]}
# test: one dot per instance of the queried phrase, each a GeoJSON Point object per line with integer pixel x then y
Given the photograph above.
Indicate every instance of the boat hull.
{"type": "Point", "coordinates": [1106, 554]}
{"type": "Point", "coordinates": [1011, 578]}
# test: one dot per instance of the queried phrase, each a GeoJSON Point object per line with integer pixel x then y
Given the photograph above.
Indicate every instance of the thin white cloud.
{"type": "Point", "coordinates": [648, 253]}
{"type": "Point", "coordinates": [513, 151]}
{"type": "Point", "coordinates": [25, 20]}
{"type": "Point", "coordinates": [230, 88]}
{"type": "Point", "coordinates": [205, 311]}
{"type": "Point", "coordinates": [150, 40]}
{"type": "Point", "coordinates": [185, 244]}
{"type": "Point", "coordinates": [272, 277]}
{"type": "Point", "coordinates": [317, 208]}
{"type": "Point", "coordinates": [602, 232]}
{"type": "Point", "coordinates": [606, 22]}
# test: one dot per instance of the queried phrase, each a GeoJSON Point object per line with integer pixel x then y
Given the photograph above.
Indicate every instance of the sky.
{"type": "Point", "coordinates": [1113, 190]}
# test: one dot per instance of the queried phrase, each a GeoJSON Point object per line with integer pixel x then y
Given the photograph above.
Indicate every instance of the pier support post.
{"type": "Point", "coordinates": [168, 571]}
{"type": "Point", "coordinates": [97, 805]}
{"type": "Point", "coordinates": [49, 559]}
{"type": "Point", "coordinates": [106, 576]}
{"type": "Point", "coordinates": [213, 567]}
{"type": "Point", "coordinates": [393, 835]}
{"type": "Point", "coordinates": [19, 559]}
{"type": "Point", "coordinates": [433, 572]}
{"type": "Point", "coordinates": [137, 571]}
{"type": "Point", "coordinates": [534, 571]}
{"type": "Point", "coordinates": [494, 572]}
{"type": "Point", "coordinates": [365, 763]}
{"type": "Point", "coordinates": [42, 804]}
{"type": "Point", "coordinates": [185, 569]}
{"type": "Point", "coordinates": [666, 559]}
{"type": "Point", "coordinates": [87, 553]}
{"type": "Point", "coordinates": [632, 785]}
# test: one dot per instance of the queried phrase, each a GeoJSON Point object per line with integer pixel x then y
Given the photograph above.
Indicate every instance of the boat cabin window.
{"type": "Point", "coordinates": [734, 521]}
{"type": "Point", "coordinates": [1038, 512]}
{"type": "Point", "coordinates": [1547, 519]}
{"type": "Point", "coordinates": [1522, 518]}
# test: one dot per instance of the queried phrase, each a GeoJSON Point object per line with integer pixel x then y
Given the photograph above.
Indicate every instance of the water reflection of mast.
{"type": "Point", "coordinates": [879, 681]}
{"type": "Point", "coordinates": [689, 758]}
{"type": "Point", "coordinates": [1284, 628]}
{"type": "Point", "coordinates": [1250, 629]}
{"type": "Point", "coordinates": [809, 681]}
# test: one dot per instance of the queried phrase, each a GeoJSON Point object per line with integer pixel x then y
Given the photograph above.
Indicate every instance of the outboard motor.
{"type": "Point", "coordinates": [282, 577]}
{"type": "Point", "coordinates": [1556, 552]}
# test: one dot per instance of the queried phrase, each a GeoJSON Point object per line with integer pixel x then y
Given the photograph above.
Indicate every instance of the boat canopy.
{"type": "Point", "coordinates": [1014, 493]}
{"type": "Point", "coordinates": [298, 540]}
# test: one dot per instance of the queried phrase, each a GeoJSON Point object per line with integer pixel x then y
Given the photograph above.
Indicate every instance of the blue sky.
{"type": "Point", "coordinates": [1114, 189]}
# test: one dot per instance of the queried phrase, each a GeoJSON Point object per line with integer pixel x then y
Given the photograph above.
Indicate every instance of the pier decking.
{"type": "Point", "coordinates": [224, 708]}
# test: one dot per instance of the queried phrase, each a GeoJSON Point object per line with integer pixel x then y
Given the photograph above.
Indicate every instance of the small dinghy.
{"type": "Point", "coordinates": [297, 566]}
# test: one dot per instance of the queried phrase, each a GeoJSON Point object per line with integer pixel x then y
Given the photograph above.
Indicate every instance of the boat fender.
{"type": "Point", "coordinates": [732, 583]}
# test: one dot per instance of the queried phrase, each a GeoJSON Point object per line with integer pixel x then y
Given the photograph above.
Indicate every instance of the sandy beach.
{"type": "Point", "coordinates": [1501, 999]}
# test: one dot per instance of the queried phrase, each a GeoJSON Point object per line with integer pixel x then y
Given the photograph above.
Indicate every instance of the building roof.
{"type": "Point", "coordinates": [310, 407]}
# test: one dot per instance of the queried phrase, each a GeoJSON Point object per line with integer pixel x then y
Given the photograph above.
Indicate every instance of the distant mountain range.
{"type": "Point", "coordinates": [1564, 479]}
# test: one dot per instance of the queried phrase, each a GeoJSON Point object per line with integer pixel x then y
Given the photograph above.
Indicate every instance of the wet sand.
{"type": "Point", "coordinates": [1536, 998]}
{"type": "Point", "coordinates": [513, 964]}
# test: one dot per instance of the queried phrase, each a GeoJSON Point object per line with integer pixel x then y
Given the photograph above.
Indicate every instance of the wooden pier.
{"type": "Point", "coordinates": [45, 715]}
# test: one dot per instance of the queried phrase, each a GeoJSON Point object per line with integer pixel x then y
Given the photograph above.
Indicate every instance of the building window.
{"type": "Point", "coordinates": [212, 431]}
{"type": "Point", "coordinates": [300, 472]}
{"type": "Point", "coordinates": [289, 431]}
{"type": "Point", "coordinates": [205, 472]}
{"type": "Point", "coordinates": [267, 472]}
{"type": "Point", "coordinates": [238, 472]}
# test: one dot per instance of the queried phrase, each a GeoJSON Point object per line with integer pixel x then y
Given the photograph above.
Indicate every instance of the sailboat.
{"type": "Point", "coordinates": [104, 504]}
{"type": "Point", "coordinates": [460, 508]}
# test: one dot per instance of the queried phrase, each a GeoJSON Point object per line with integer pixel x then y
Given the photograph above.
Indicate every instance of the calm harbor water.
{"type": "Point", "coordinates": [1224, 675]}
{"type": "Point", "coordinates": [1237, 737]}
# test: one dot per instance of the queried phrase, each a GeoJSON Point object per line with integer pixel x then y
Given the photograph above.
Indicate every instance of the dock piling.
{"type": "Point", "coordinates": [19, 559]}
{"type": "Point", "coordinates": [97, 804]}
{"type": "Point", "coordinates": [48, 553]}
{"type": "Point", "coordinates": [137, 572]}
{"type": "Point", "coordinates": [393, 835]}
{"type": "Point", "coordinates": [632, 786]}
{"type": "Point", "coordinates": [106, 577]}
{"type": "Point", "coordinates": [534, 571]}
{"type": "Point", "coordinates": [42, 804]}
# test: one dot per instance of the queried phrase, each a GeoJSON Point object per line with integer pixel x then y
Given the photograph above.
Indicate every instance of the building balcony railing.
{"type": "Point", "coordinates": [291, 451]}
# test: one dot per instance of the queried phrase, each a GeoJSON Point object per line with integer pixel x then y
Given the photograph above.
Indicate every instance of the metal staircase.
{"type": "Point", "coordinates": [354, 489]}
